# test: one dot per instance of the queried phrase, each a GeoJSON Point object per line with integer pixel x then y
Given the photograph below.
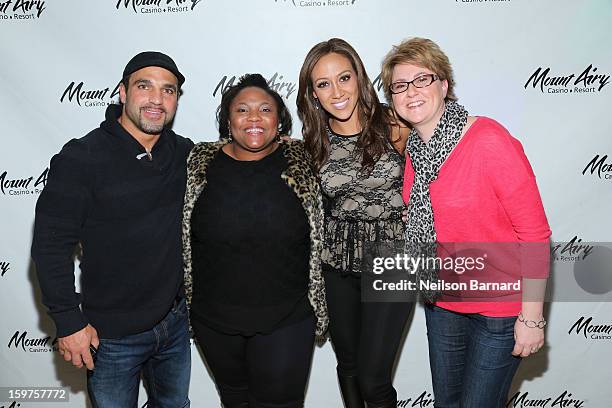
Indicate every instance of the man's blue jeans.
{"type": "Point", "coordinates": [162, 355]}
{"type": "Point", "coordinates": [471, 358]}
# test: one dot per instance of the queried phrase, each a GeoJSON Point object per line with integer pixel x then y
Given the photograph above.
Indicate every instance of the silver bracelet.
{"type": "Point", "coordinates": [532, 324]}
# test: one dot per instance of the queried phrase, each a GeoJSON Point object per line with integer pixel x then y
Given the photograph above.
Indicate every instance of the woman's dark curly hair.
{"type": "Point", "coordinates": [247, 81]}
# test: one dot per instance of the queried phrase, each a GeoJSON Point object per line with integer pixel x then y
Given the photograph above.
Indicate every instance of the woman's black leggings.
{"type": "Point", "coordinates": [365, 335]}
{"type": "Point", "coordinates": [260, 371]}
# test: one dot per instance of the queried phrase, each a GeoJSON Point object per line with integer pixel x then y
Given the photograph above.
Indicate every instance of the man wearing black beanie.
{"type": "Point", "coordinates": [118, 191]}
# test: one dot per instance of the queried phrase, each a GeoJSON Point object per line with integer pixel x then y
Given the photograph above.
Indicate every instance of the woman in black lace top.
{"type": "Point", "coordinates": [354, 143]}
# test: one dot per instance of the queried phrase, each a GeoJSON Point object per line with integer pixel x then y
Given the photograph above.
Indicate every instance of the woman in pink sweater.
{"type": "Point", "coordinates": [467, 180]}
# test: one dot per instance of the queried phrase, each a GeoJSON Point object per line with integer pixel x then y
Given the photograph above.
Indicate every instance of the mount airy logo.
{"type": "Point", "coordinates": [425, 399]}
{"type": "Point", "coordinates": [563, 400]}
{"type": "Point", "coordinates": [586, 82]}
{"type": "Point", "coordinates": [378, 85]}
{"type": "Point", "coordinates": [20, 340]}
{"type": "Point", "coordinates": [158, 6]}
{"type": "Point", "coordinates": [571, 251]}
{"type": "Point", "coordinates": [13, 404]}
{"type": "Point", "coordinates": [89, 97]}
{"type": "Point", "coordinates": [325, 3]}
{"type": "Point", "coordinates": [284, 88]}
{"type": "Point", "coordinates": [21, 9]}
{"type": "Point", "coordinates": [591, 331]}
{"type": "Point", "coordinates": [599, 166]}
{"type": "Point", "coordinates": [22, 186]}
{"type": "Point", "coordinates": [4, 267]}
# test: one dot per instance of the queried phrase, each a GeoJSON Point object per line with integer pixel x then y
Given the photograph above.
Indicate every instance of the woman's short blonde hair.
{"type": "Point", "coordinates": [424, 53]}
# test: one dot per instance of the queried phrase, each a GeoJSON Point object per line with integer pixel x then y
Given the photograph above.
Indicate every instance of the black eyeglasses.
{"type": "Point", "coordinates": [418, 82]}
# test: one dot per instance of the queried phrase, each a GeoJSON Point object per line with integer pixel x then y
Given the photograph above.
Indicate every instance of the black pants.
{"type": "Point", "coordinates": [365, 335]}
{"type": "Point", "coordinates": [260, 371]}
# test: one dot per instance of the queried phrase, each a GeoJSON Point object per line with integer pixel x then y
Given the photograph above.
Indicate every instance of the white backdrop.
{"type": "Point", "coordinates": [49, 48]}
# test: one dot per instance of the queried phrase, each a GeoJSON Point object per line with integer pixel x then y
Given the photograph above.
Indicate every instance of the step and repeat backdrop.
{"type": "Point", "coordinates": [542, 68]}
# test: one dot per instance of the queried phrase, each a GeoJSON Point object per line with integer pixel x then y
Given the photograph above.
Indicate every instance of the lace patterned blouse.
{"type": "Point", "coordinates": [359, 207]}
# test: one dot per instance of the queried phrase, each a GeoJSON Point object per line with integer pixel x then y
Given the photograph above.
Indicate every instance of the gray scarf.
{"type": "Point", "coordinates": [426, 160]}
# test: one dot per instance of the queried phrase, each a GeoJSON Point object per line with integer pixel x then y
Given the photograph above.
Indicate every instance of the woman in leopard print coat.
{"type": "Point", "coordinates": [252, 241]}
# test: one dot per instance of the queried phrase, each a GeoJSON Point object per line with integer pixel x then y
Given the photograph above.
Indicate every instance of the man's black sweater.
{"type": "Point", "coordinates": [126, 210]}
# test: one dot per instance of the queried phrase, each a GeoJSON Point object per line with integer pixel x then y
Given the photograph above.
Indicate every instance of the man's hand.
{"type": "Point", "coordinates": [76, 347]}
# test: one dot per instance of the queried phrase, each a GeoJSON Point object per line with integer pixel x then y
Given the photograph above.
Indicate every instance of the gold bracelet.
{"type": "Point", "coordinates": [532, 324]}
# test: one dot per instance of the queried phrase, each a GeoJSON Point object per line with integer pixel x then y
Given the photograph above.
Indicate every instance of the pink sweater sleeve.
{"type": "Point", "coordinates": [514, 184]}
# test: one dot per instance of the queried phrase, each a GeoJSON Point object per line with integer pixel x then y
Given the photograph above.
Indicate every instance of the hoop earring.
{"type": "Point", "coordinates": [278, 135]}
